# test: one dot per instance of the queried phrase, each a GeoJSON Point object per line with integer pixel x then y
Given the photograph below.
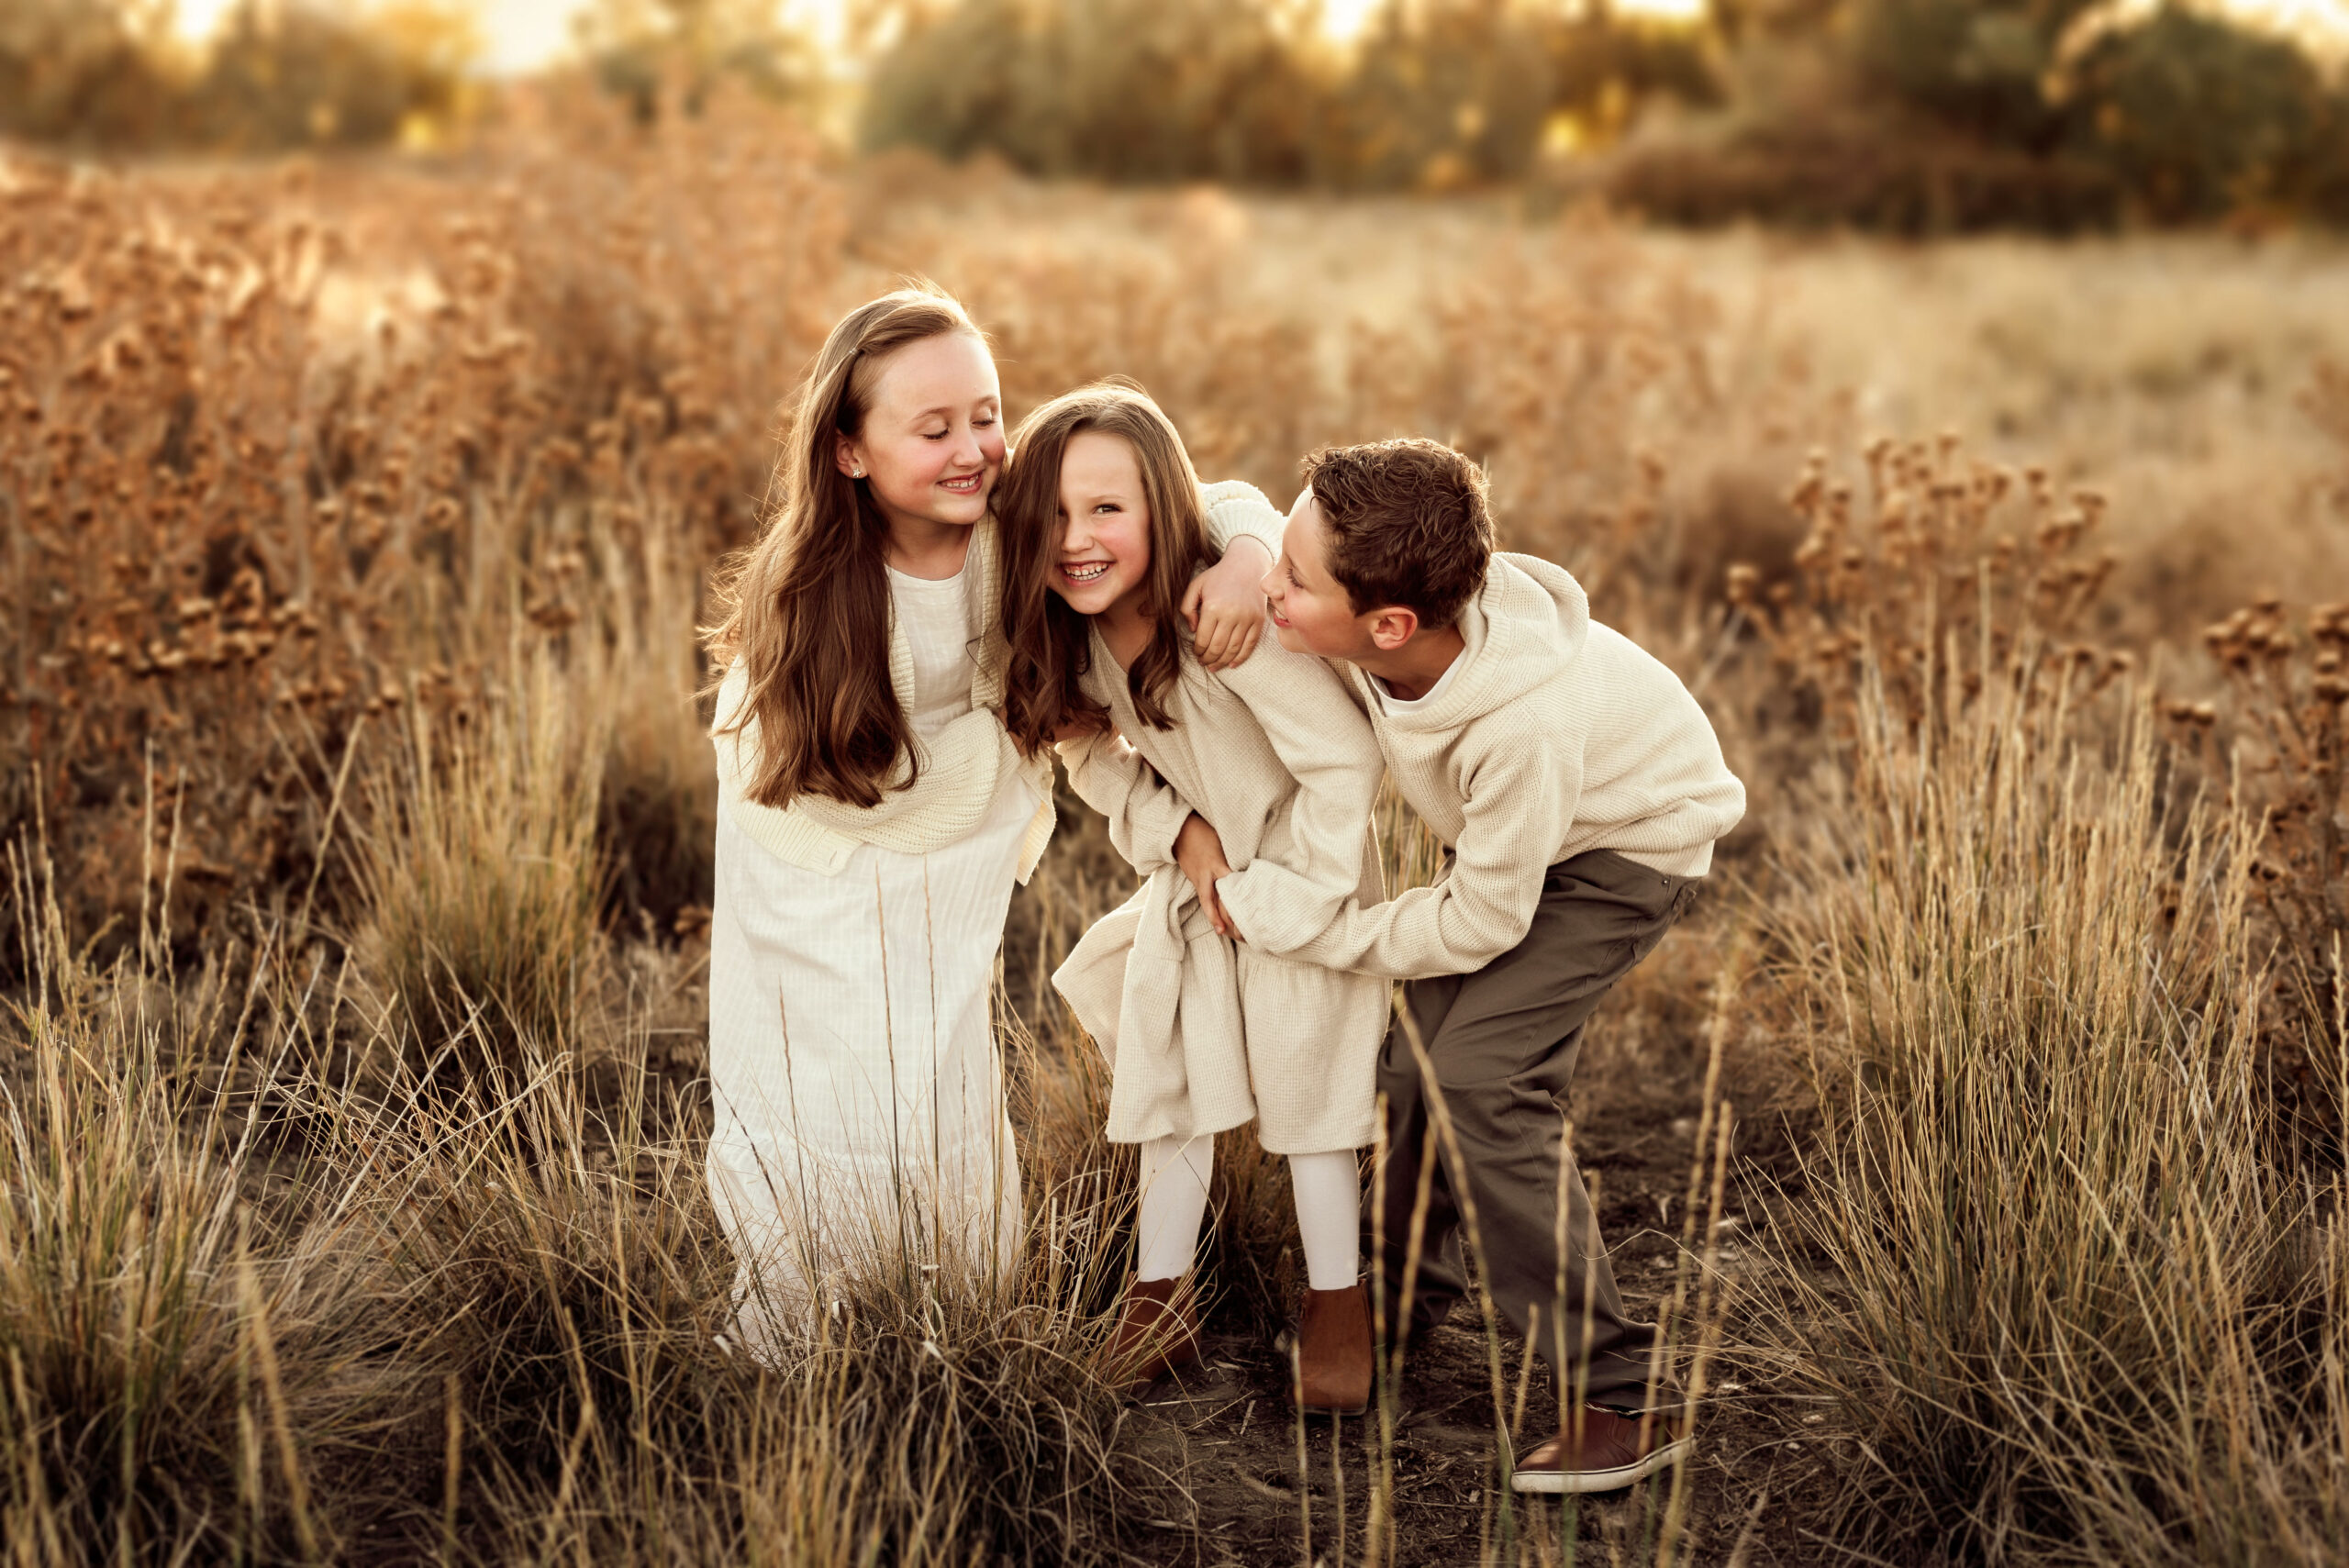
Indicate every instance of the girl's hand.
{"type": "Point", "coordinates": [1225, 608]}
{"type": "Point", "coordinates": [1198, 849]}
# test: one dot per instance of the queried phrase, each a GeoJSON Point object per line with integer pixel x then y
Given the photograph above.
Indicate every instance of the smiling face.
{"type": "Point", "coordinates": [1104, 562]}
{"type": "Point", "coordinates": [930, 445]}
{"type": "Point", "coordinates": [1312, 613]}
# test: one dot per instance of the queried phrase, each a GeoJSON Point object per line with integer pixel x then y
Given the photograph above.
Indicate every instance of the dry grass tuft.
{"type": "Point", "coordinates": [2064, 1291]}
{"type": "Point", "coordinates": [479, 868]}
{"type": "Point", "coordinates": [478, 1327]}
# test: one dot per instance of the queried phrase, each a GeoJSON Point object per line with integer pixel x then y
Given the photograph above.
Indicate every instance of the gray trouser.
{"type": "Point", "coordinates": [1501, 1046]}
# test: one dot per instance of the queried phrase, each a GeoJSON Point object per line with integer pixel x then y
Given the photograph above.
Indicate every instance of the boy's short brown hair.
{"type": "Point", "coordinates": [1409, 525]}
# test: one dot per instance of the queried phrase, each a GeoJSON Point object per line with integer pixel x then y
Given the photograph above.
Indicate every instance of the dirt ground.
{"type": "Point", "coordinates": [1217, 1454]}
{"type": "Point", "coordinates": [1218, 1473]}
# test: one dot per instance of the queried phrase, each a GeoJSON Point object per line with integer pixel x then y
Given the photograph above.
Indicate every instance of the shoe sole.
{"type": "Point", "coordinates": [1552, 1483]}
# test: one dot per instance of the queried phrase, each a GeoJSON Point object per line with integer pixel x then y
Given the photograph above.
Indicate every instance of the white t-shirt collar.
{"type": "Point", "coordinates": [1392, 705]}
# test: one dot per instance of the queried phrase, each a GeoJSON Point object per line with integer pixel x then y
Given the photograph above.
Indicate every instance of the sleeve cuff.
{"type": "Point", "coordinates": [1236, 510]}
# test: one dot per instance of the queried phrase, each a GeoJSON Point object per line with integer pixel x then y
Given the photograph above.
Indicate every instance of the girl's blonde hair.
{"type": "Point", "coordinates": [806, 607]}
{"type": "Point", "coordinates": [1050, 644]}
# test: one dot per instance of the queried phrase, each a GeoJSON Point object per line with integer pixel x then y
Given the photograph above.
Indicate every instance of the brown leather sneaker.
{"type": "Point", "coordinates": [1331, 1357]}
{"type": "Point", "coordinates": [1601, 1450]}
{"type": "Point", "coordinates": [1157, 1331]}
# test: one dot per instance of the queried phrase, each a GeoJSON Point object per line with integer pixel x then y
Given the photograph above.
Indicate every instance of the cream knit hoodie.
{"type": "Point", "coordinates": [1553, 736]}
{"type": "Point", "coordinates": [964, 763]}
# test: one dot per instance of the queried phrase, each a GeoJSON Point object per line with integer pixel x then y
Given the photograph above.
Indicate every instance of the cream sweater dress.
{"type": "Point", "coordinates": [858, 1092]}
{"type": "Point", "coordinates": [1203, 1035]}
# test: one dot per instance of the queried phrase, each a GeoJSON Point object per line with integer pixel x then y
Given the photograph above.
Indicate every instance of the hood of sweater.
{"type": "Point", "coordinates": [1525, 627]}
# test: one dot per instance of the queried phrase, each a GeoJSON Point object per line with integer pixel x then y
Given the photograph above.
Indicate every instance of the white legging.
{"type": "Point", "coordinates": [1174, 1206]}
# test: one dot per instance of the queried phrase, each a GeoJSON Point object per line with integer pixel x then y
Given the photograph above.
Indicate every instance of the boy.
{"type": "Point", "coordinates": [1579, 788]}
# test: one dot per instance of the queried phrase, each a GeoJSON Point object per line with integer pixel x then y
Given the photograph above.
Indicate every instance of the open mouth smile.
{"type": "Point", "coordinates": [1085, 571]}
{"type": "Point", "coordinates": [966, 485]}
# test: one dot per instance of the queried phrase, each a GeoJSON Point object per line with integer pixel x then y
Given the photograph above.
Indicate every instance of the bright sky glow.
{"type": "Point", "coordinates": [2327, 20]}
{"type": "Point", "coordinates": [519, 35]}
{"type": "Point", "coordinates": [522, 35]}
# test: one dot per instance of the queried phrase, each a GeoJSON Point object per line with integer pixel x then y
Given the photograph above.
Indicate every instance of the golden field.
{"type": "Point", "coordinates": [1981, 1135]}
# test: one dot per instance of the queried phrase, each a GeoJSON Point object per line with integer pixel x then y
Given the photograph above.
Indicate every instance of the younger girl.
{"type": "Point", "coordinates": [872, 818]}
{"type": "Point", "coordinates": [1103, 529]}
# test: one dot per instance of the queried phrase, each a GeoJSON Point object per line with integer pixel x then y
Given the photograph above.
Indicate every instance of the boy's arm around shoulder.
{"type": "Point", "coordinates": [1517, 801]}
{"type": "Point", "coordinates": [1235, 509]}
{"type": "Point", "coordinates": [1328, 747]}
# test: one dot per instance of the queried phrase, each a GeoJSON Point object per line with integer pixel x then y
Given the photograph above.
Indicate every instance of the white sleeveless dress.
{"type": "Point", "coordinates": [860, 1120]}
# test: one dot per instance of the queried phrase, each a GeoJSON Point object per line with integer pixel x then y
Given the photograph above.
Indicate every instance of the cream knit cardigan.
{"type": "Point", "coordinates": [964, 763]}
{"type": "Point", "coordinates": [1203, 1036]}
{"type": "Point", "coordinates": [1554, 735]}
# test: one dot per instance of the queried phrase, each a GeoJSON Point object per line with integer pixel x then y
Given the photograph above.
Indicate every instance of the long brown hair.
{"type": "Point", "coordinates": [807, 605]}
{"type": "Point", "coordinates": [1050, 644]}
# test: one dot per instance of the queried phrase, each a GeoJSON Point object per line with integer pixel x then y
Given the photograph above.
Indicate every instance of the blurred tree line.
{"type": "Point", "coordinates": [1931, 116]}
{"type": "Point", "coordinates": [649, 49]}
{"type": "Point", "coordinates": [1917, 115]}
{"type": "Point", "coordinates": [1433, 93]}
{"type": "Point", "coordinates": [1921, 115]}
{"type": "Point", "coordinates": [114, 75]}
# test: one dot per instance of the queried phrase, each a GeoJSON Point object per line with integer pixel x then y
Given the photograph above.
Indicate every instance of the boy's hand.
{"type": "Point", "coordinates": [1198, 849]}
{"type": "Point", "coordinates": [1224, 606]}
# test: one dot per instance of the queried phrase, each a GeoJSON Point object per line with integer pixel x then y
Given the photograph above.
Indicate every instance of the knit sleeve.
{"type": "Point", "coordinates": [1517, 801]}
{"type": "Point", "coordinates": [1144, 813]}
{"type": "Point", "coordinates": [1327, 745]}
{"type": "Point", "coordinates": [1236, 510]}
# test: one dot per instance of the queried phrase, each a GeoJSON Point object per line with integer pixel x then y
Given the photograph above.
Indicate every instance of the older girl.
{"type": "Point", "coordinates": [1105, 528]}
{"type": "Point", "coordinates": [872, 819]}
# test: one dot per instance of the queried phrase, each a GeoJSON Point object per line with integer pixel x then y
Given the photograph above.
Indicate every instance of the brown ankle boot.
{"type": "Point", "coordinates": [1158, 1331]}
{"type": "Point", "coordinates": [1331, 1353]}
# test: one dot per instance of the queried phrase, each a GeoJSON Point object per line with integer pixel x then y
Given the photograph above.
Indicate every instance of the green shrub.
{"type": "Point", "coordinates": [2197, 115]}
{"type": "Point", "coordinates": [303, 74]}
{"type": "Point", "coordinates": [1980, 65]}
{"type": "Point", "coordinates": [1868, 170]}
{"type": "Point", "coordinates": [1443, 95]}
{"type": "Point", "coordinates": [77, 70]}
